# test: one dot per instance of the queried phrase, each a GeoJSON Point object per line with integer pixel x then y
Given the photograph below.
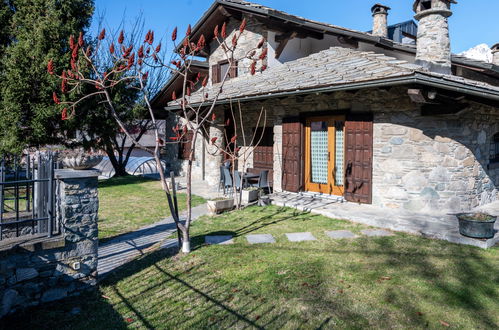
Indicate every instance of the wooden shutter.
{"type": "Point", "coordinates": [186, 145]}
{"type": "Point", "coordinates": [215, 73]}
{"type": "Point", "coordinates": [359, 159]}
{"type": "Point", "coordinates": [233, 70]}
{"type": "Point", "coordinates": [292, 155]}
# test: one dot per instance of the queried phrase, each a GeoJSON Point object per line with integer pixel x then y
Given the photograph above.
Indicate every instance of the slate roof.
{"type": "Point", "coordinates": [334, 66]}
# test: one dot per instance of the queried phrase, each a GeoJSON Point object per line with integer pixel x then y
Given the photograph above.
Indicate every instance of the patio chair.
{"type": "Point", "coordinates": [221, 182]}
{"type": "Point", "coordinates": [263, 181]}
{"type": "Point", "coordinates": [238, 180]}
{"type": "Point", "coordinates": [228, 182]}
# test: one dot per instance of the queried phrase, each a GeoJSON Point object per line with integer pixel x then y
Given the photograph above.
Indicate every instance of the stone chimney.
{"type": "Point", "coordinates": [495, 54]}
{"type": "Point", "coordinates": [433, 45]}
{"type": "Point", "coordinates": [380, 20]}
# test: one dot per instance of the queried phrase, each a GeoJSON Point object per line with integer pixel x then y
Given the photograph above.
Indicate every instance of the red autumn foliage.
{"type": "Point", "coordinates": [140, 62]}
{"type": "Point", "coordinates": [253, 68]}
{"type": "Point", "coordinates": [71, 42]}
{"type": "Point", "coordinates": [111, 48]}
{"type": "Point", "coordinates": [155, 58]}
{"type": "Point", "coordinates": [264, 67]}
{"type": "Point", "coordinates": [140, 52]}
{"type": "Point", "coordinates": [174, 96]}
{"type": "Point", "coordinates": [213, 140]}
{"type": "Point", "coordinates": [55, 98]}
{"type": "Point", "coordinates": [127, 51]}
{"type": "Point", "coordinates": [213, 117]}
{"type": "Point", "coordinates": [88, 53]}
{"type": "Point", "coordinates": [224, 30]}
{"type": "Point", "coordinates": [242, 27]}
{"type": "Point", "coordinates": [102, 34]}
{"type": "Point", "coordinates": [260, 44]}
{"type": "Point", "coordinates": [121, 38]}
{"type": "Point", "coordinates": [64, 83]}
{"type": "Point", "coordinates": [131, 61]}
{"type": "Point", "coordinates": [158, 48]}
{"type": "Point", "coordinates": [234, 138]}
{"type": "Point", "coordinates": [215, 32]}
{"type": "Point", "coordinates": [201, 42]}
{"type": "Point", "coordinates": [234, 40]}
{"type": "Point", "coordinates": [174, 34]}
{"type": "Point", "coordinates": [73, 65]}
{"type": "Point", "coordinates": [263, 55]}
{"type": "Point", "coordinates": [50, 67]}
{"type": "Point", "coordinates": [64, 114]}
{"type": "Point", "coordinates": [205, 81]}
{"type": "Point", "coordinates": [80, 39]}
{"type": "Point", "coordinates": [189, 31]}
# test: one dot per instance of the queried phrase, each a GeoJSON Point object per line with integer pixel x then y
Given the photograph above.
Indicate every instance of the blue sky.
{"type": "Point", "coordinates": [473, 22]}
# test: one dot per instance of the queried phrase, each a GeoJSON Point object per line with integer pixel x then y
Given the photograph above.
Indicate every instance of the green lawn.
{"type": "Point", "coordinates": [128, 203]}
{"type": "Point", "coordinates": [401, 281]}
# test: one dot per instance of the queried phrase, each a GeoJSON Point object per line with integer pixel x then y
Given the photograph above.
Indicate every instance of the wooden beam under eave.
{"type": "Point", "coordinates": [284, 41]}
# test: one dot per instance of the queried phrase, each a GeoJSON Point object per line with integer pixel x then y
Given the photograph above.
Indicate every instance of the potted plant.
{"type": "Point", "coordinates": [219, 205]}
{"type": "Point", "coordinates": [79, 159]}
{"type": "Point", "coordinates": [249, 195]}
{"type": "Point", "coordinates": [476, 225]}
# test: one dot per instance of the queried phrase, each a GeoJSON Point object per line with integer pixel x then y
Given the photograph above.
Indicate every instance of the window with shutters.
{"type": "Point", "coordinates": [218, 71]}
{"type": "Point", "coordinates": [185, 146]}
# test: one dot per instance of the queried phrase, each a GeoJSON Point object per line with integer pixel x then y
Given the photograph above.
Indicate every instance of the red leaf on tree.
{"type": "Point", "coordinates": [264, 67]}
{"type": "Point", "coordinates": [234, 138]}
{"type": "Point", "coordinates": [140, 52]}
{"type": "Point", "coordinates": [80, 39]}
{"type": "Point", "coordinates": [73, 65]}
{"type": "Point", "coordinates": [55, 98]}
{"type": "Point", "coordinates": [253, 68]}
{"type": "Point", "coordinates": [64, 83]}
{"type": "Point", "coordinates": [102, 34]}
{"type": "Point", "coordinates": [174, 96]}
{"type": "Point", "coordinates": [260, 44]}
{"type": "Point", "coordinates": [140, 62]}
{"type": "Point", "coordinates": [174, 34]}
{"type": "Point", "coordinates": [127, 51]}
{"type": "Point", "coordinates": [158, 48]}
{"type": "Point", "coordinates": [111, 49]}
{"type": "Point", "coordinates": [215, 32]}
{"type": "Point", "coordinates": [64, 114]}
{"type": "Point", "coordinates": [71, 42]}
{"type": "Point", "coordinates": [198, 76]}
{"type": "Point", "coordinates": [88, 53]}
{"type": "Point", "coordinates": [263, 55]}
{"type": "Point", "coordinates": [131, 61]}
{"type": "Point", "coordinates": [189, 31]}
{"type": "Point", "coordinates": [121, 38]}
{"type": "Point", "coordinates": [151, 37]}
{"type": "Point", "coordinates": [205, 81]}
{"type": "Point", "coordinates": [50, 67]}
{"type": "Point", "coordinates": [155, 58]}
{"type": "Point", "coordinates": [201, 42]}
{"type": "Point", "coordinates": [242, 27]}
{"type": "Point", "coordinates": [213, 117]}
{"type": "Point", "coordinates": [234, 40]}
{"type": "Point", "coordinates": [224, 30]}
{"type": "Point", "coordinates": [213, 140]}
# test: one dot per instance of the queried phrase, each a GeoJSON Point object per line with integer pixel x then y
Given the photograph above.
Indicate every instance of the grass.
{"type": "Point", "coordinates": [128, 203]}
{"type": "Point", "coordinates": [401, 281]}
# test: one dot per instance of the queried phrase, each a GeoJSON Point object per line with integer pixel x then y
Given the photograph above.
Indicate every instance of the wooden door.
{"type": "Point", "coordinates": [292, 151]}
{"type": "Point", "coordinates": [324, 154]}
{"type": "Point", "coordinates": [358, 159]}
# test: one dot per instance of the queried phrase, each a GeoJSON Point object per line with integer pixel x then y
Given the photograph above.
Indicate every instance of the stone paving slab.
{"type": "Point", "coordinates": [260, 238]}
{"type": "Point", "coordinates": [218, 240]}
{"type": "Point", "coordinates": [300, 237]}
{"type": "Point", "coordinates": [376, 232]}
{"type": "Point", "coordinates": [340, 234]}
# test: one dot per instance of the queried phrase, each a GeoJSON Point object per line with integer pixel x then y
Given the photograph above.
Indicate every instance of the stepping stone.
{"type": "Point", "coordinates": [339, 234]}
{"type": "Point", "coordinates": [376, 232]}
{"type": "Point", "coordinates": [260, 238]}
{"type": "Point", "coordinates": [300, 237]}
{"type": "Point", "coordinates": [218, 240]}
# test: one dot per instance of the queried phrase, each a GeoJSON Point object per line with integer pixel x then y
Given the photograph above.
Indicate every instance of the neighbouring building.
{"type": "Point", "coordinates": [389, 118]}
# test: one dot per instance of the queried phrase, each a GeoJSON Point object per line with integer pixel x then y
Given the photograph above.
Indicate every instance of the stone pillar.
{"type": "Point", "coordinates": [45, 269]}
{"type": "Point", "coordinates": [380, 20]}
{"type": "Point", "coordinates": [213, 157]}
{"type": "Point", "coordinates": [495, 54]}
{"type": "Point", "coordinates": [433, 44]}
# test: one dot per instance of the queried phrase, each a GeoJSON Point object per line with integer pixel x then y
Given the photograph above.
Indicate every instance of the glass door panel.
{"type": "Point", "coordinates": [319, 151]}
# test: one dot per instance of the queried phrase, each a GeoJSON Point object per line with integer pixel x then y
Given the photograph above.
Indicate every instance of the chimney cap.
{"type": "Point", "coordinates": [379, 6]}
{"type": "Point", "coordinates": [416, 3]}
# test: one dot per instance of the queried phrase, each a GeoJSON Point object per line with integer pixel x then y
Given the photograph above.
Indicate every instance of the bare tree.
{"type": "Point", "coordinates": [131, 64]}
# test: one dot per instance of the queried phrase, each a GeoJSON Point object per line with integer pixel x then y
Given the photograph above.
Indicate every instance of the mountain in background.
{"type": "Point", "coordinates": [481, 52]}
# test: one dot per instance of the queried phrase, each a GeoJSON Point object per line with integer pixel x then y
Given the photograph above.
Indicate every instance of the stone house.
{"type": "Point", "coordinates": [401, 124]}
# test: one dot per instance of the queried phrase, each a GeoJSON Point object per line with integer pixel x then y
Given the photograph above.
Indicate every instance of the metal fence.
{"type": "Point", "coordinates": [27, 196]}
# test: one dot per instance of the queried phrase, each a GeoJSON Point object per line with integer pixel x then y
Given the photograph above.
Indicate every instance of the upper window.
{"type": "Point", "coordinates": [494, 149]}
{"type": "Point", "coordinates": [218, 71]}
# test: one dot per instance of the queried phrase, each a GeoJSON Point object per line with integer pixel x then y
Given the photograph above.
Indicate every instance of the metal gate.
{"type": "Point", "coordinates": [27, 197]}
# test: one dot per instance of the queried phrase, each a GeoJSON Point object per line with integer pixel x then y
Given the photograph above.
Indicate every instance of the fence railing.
{"type": "Point", "coordinates": [27, 196]}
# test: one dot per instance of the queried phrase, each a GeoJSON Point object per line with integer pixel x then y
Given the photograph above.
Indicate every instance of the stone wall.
{"type": "Point", "coordinates": [48, 269]}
